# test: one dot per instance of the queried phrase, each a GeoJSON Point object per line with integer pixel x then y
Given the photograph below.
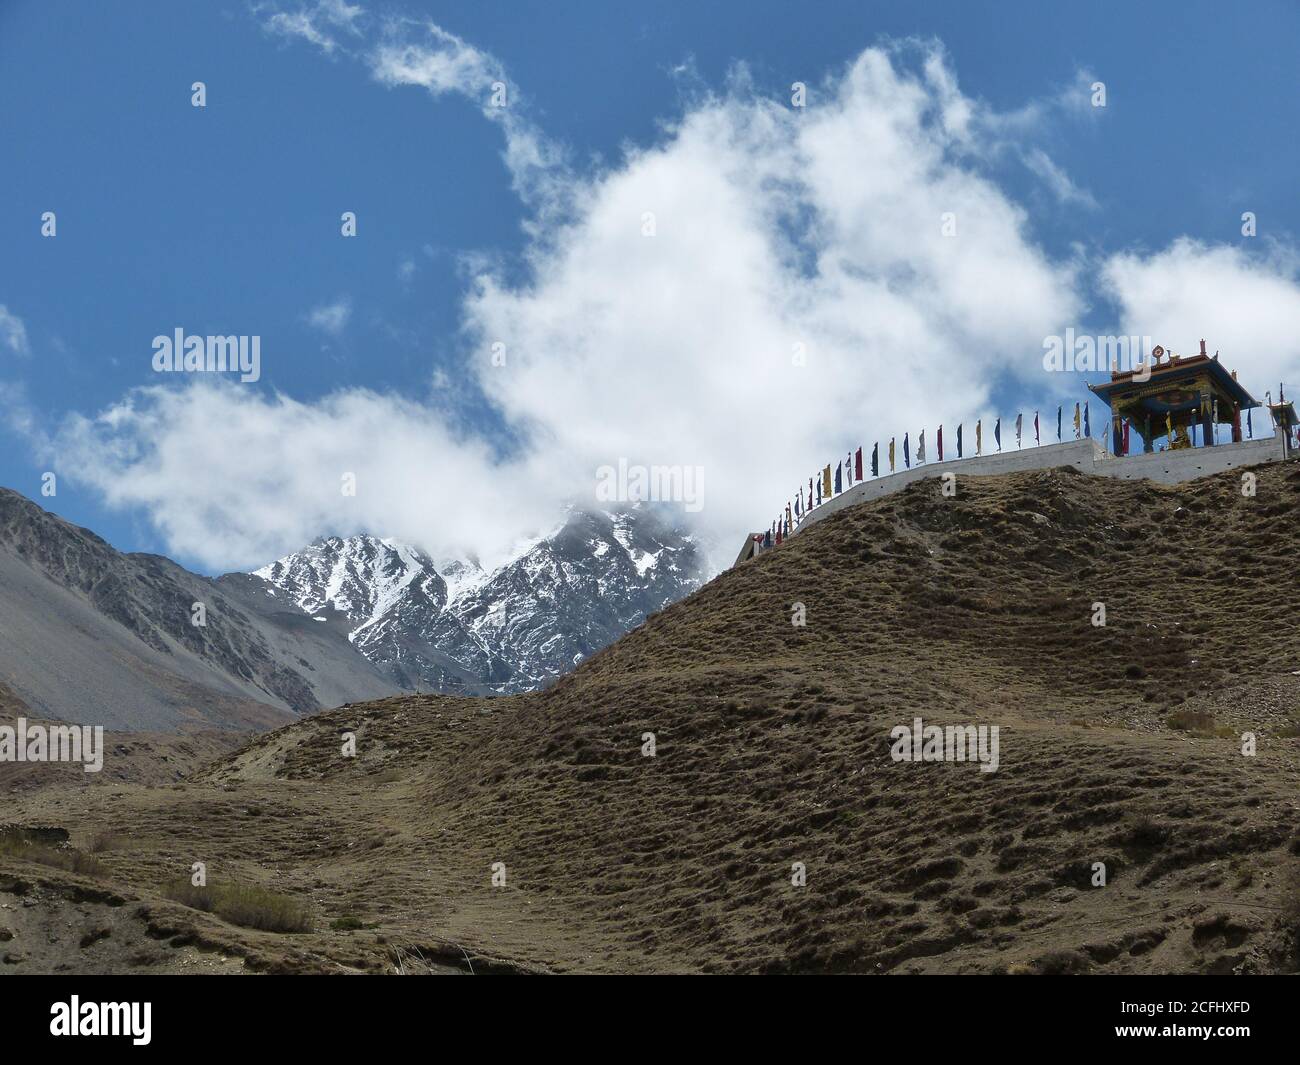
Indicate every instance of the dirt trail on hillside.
{"type": "Point", "coordinates": [1119, 744]}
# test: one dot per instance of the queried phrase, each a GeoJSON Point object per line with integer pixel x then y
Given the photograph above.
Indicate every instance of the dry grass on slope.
{"type": "Point", "coordinates": [773, 749]}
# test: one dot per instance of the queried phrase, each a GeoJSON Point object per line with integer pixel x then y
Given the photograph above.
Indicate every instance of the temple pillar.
{"type": "Point", "coordinates": [1207, 419]}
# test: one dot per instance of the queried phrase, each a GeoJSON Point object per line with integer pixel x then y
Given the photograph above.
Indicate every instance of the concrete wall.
{"type": "Point", "coordinates": [1087, 456]}
{"type": "Point", "coordinates": [1172, 467]}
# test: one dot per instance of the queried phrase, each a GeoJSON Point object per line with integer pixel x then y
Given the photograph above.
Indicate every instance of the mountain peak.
{"type": "Point", "coordinates": [95, 635]}
{"type": "Point", "coordinates": [452, 625]}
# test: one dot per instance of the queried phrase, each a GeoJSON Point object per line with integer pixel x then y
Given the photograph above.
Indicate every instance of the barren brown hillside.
{"type": "Point", "coordinates": [1120, 744]}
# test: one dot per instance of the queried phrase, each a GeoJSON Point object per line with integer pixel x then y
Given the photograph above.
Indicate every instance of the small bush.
{"type": "Point", "coordinates": [1059, 963]}
{"type": "Point", "coordinates": [1146, 832]}
{"type": "Point", "coordinates": [256, 907]}
{"type": "Point", "coordinates": [247, 905]}
{"type": "Point", "coordinates": [1195, 721]}
{"type": "Point", "coordinates": [102, 840]}
{"type": "Point", "coordinates": [348, 923]}
{"type": "Point", "coordinates": [196, 898]}
{"type": "Point", "coordinates": [65, 858]}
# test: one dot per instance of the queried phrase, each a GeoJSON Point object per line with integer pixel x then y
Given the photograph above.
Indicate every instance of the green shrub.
{"type": "Point", "coordinates": [347, 923]}
{"type": "Point", "coordinates": [247, 905]}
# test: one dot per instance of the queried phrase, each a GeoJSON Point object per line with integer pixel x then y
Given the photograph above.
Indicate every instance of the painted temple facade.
{"type": "Point", "coordinates": [1176, 397]}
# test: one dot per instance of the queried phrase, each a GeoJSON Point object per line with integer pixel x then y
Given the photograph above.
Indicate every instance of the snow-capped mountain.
{"type": "Point", "coordinates": [451, 625]}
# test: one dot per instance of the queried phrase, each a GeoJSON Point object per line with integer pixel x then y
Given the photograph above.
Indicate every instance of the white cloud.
{"type": "Point", "coordinates": [1245, 306]}
{"type": "Point", "coordinates": [776, 229]}
{"type": "Point", "coordinates": [438, 61]}
{"type": "Point", "coordinates": [13, 333]}
{"type": "Point", "coordinates": [1057, 180]}
{"type": "Point", "coordinates": [318, 23]}
{"type": "Point", "coordinates": [16, 410]}
{"type": "Point", "coordinates": [232, 476]}
{"type": "Point", "coordinates": [1073, 102]}
{"type": "Point", "coordinates": [424, 55]}
{"type": "Point", "coordinates": [331, 318]}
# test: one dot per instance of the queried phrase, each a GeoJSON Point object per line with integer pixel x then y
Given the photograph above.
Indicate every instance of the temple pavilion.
{"type": "Point", "coordinates": [1170, 396]}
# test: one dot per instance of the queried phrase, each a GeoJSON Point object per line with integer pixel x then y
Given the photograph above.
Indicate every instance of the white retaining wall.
{"type": "Point", "coordinates": [1087, 456]}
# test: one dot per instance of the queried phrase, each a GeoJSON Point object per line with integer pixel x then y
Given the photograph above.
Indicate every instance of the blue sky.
{"type": "Point", "coordinates": [226, 220]}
